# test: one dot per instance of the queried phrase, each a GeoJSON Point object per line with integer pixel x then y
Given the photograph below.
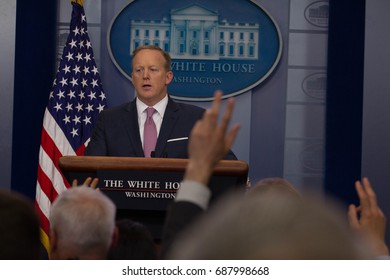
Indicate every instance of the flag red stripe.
{"type": "Point", "coordinates": [53, 152]}
{"type": "Point", "coordinates": [50, 148]}
{"type": "Point", "coordinates": [80, 150]}
{"type": "Point", "coordinates": [46, 185]}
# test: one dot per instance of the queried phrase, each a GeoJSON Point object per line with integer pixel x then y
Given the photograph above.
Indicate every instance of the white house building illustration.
{"type": "Point", "coordinates": [195, 32]}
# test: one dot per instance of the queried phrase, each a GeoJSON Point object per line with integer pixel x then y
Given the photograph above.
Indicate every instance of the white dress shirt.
{"type": "Point", "coordinates": [194, 192]}
{"type": "Point", "coordinates": [157, 117]}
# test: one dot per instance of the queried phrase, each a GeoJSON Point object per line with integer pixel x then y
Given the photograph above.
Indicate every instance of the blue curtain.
{"type": "Point", "coordinates": [34, 73]}
{"type": "Point", "coordinates": [344, 101]}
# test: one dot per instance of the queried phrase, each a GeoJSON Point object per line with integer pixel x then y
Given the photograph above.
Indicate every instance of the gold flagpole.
{"type": "Point", "coordinates": [80, 2]}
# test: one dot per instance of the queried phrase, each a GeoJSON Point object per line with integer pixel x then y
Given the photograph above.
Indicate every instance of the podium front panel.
{"type": "Point", "coordinates": [142, 189]}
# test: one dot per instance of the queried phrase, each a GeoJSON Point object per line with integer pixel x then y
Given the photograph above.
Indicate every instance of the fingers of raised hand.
{"type": "Point", "coordinates": [367, 196]}
{"type": "Point", "coordinates": [89, 182]}
{"type": "Point", "coordinates": [227, 114]}
{"type": "Point", "coordinates": [370, 193]}
{"type": "Point", "coordinates": [353, 216]}
{"type": "Point", "coordinates": [94, 183]}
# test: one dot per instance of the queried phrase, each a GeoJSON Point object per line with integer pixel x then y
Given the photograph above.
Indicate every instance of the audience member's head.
{"type": "Point", "coordinates": [82, 222]}
{"type": "Point", "coordinates": [135, 242]}
{"type": "Point", "coordinates": [270, 226]}
{"type": "Point", "coordinates": [19, 228]}
{"type": "Point", "coordinates": [274, 184]}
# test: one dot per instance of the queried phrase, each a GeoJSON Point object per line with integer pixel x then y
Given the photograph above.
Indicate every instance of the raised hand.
{"type": "Point", "coordinates": [89, 182]}
{"type": "Point", "coordinates": [368, 219]}
{"type": "Point", "coordinates": [210, 140]}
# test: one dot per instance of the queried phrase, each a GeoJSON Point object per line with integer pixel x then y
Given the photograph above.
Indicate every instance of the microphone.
{"type": "Point", "coordinates": [164, 153]}
{"type": "Point", "coordinates": [153, 154]}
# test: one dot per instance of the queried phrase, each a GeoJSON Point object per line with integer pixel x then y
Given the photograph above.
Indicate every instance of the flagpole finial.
{"type": "Point", "coordinates": [80, 2]}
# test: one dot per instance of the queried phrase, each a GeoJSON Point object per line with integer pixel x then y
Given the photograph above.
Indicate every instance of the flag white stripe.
{"type": "Point", "coordinates": [51, 171]}
{"type": "Point", "coordinates": [57, 135]}
{"type": "Point", "coordinates": [43, 201]}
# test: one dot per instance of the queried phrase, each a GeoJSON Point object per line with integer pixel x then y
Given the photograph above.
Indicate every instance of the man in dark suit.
{"type": "Point", "coordinates": [119, 131]}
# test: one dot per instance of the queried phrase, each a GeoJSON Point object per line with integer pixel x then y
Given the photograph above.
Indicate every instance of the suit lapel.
{"type": "Point", "coordinates": [171, 116]}
{"type": "Point", "coordinates": [130, 119]}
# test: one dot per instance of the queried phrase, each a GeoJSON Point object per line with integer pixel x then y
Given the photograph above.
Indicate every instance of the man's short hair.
{"type": "Point", "coordinates": [83, 217]}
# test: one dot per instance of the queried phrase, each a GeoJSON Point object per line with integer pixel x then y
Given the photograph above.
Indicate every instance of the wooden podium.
{"type": "Point", "coordinates": [143, 188]}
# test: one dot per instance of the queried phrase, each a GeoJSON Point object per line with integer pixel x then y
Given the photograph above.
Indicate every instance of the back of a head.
{"type": "Point", "coordinates": [274, 184]}
{"type": "Point", "coordinates": [135, 242]}
{"type": "Point", "coordinates": [19, 228]}
{"type": "Point", "coordinates": [269, 226]}
{"type": "Point", "coordinates": [84, 219]}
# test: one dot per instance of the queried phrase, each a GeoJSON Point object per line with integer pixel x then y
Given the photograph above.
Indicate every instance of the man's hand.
{"type": "Point", "coordinates": [89, 182]}
{"type": "Point", "coordinates": [209, 141]}
{"type": "Point", "coordinates": [368, 219]}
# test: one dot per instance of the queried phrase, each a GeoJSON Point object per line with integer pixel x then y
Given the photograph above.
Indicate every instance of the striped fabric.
{"type": "Point", "coordinates": [75, 101]}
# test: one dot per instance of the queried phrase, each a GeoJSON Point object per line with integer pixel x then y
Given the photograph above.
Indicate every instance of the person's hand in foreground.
{"type": "Point", "coordinates": [210, 140]}
{"type": "Point", "coordinates": [89, 182]}
{"type": "Point", "coordinates": [368, 219]}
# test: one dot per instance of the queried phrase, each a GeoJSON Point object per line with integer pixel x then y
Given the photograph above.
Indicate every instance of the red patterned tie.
{"type": "Point", "coordinates": [150, 132]}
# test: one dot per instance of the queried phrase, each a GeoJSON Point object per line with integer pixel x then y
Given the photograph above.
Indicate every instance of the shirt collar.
{"type": "Point", "coordinates": [159, 107]}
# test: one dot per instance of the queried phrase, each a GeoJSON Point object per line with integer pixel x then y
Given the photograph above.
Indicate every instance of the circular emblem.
{"type": "Point", "coordinates": [211, 45]}
{"type": "Point", "coordinates": [314, 85]}
{"type": "Point", "coordinates": [311, 157]}
{"type": "Point", "coordinates": [317, 14]}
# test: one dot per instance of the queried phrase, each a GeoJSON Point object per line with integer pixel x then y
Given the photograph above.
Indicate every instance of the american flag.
{"type": "Point", "coordinates": [75, 101]}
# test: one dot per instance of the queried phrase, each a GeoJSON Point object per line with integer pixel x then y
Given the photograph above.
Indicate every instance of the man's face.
{"type": "Point", "coordinates": [149, 76]}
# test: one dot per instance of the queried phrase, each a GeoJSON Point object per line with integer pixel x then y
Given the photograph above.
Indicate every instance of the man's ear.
{"type": "Point", "coordinates": [169, 77]}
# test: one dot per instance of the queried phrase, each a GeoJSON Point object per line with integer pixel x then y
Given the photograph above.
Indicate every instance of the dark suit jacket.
{"type": "Point", "coordinates": [180, 215]}
{"type": "Point", "coordinates": [116, 132]}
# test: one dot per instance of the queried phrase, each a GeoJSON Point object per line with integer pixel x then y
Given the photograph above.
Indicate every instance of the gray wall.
{"type": "Point", "coordinates": [7, 54]}
{"type": "Point", "coordinates": [376, 116]}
